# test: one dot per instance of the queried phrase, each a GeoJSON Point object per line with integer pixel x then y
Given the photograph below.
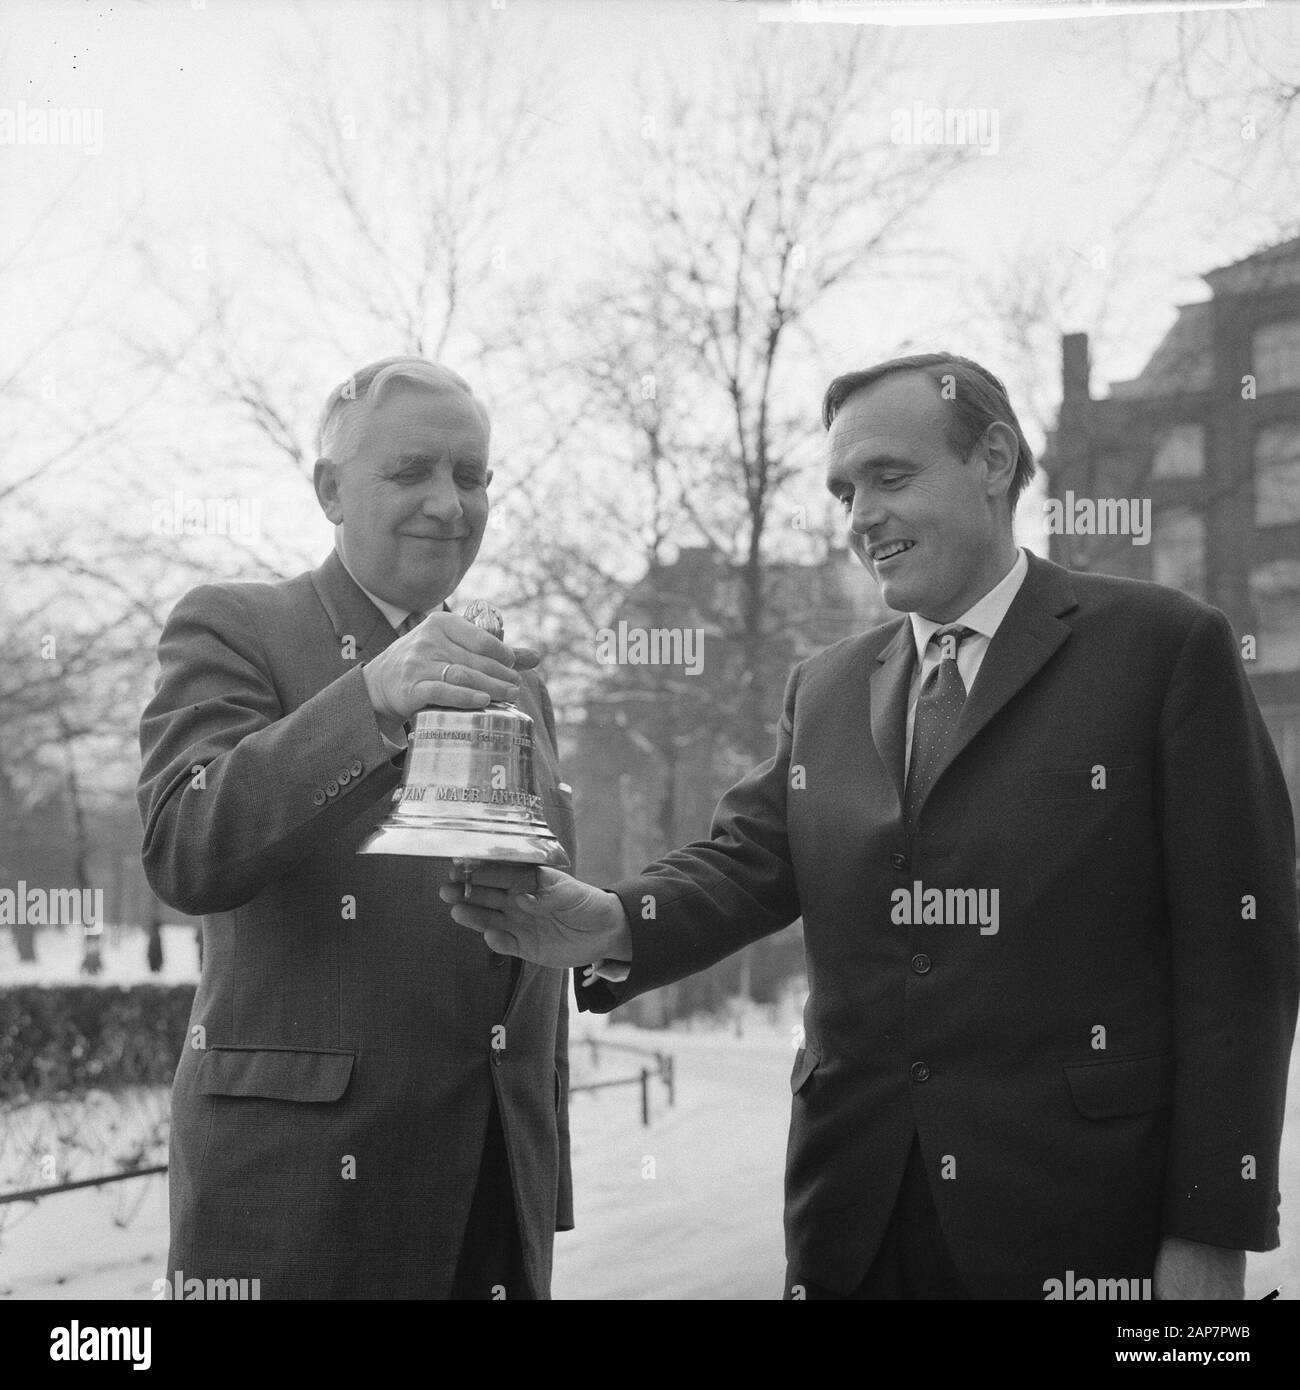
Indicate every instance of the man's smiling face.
{"type": "Point", "coordinates": [933, 529]}
{"type": "Point", "coordinates": [411, 500]}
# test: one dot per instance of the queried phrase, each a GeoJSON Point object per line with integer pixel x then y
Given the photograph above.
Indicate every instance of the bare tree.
{"type": "Point", "coordinates": [1226, 74]}
{"type": "Point", "coordinates": [69, 613]}
{"type": "Point", "coordinates": [756, 204]}
{"type": "Point", "coordinates": [411, 190]}
{"type": "Point", "coordinates": [751, 212]}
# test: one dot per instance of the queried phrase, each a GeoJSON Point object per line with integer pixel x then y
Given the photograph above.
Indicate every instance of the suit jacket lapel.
{"type": "Point", "coordinates": [350, 611]}
{"type": "Point", "coordinates": [889, 685]}
{"type": "Point", "coordinates": [1031, 631]}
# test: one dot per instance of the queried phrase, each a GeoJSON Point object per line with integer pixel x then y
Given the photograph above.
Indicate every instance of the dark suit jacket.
{"type": "Point", "coordinates": [329, 1110]}
{"type": "Point", "coordinates": [1109, 1068]}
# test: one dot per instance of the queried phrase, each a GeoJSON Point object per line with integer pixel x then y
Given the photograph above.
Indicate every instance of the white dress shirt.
{"type": "Point", "coordinates": [396, 616]}
{"type": "Point", "coordinates": [983, 618]}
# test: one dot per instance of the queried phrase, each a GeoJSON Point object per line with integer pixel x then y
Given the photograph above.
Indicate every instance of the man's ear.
{"type": "Point", "coordinates": [1001, 451]}
{"type": "Point", "coordinates": [325, 479]}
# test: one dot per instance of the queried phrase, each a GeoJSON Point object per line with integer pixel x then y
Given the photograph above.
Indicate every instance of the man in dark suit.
{"type": "Point", "coordinates": [370, 1104]}
{"type": "Point", "coordinates": [1043, 852]}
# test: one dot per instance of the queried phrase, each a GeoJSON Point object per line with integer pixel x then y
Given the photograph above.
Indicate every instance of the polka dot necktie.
{"type": "Point", "coordinates": [937, 710]}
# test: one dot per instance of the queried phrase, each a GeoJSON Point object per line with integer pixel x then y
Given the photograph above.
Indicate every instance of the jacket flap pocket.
{"type": "Point", "coordinates": [805, 1063]}
{"type": "Point", "coordinates": [1126, 1086]}
{"type": "Point", "coordinates": [276, 1073]}
{"type": "Point", "coordinates": [1081, 782]}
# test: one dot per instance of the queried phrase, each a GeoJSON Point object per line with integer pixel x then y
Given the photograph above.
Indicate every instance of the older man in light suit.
{"type": "Point", "coordinates": [1043, 852]}
{"type": "Point", "coordinates": [369, 1104]}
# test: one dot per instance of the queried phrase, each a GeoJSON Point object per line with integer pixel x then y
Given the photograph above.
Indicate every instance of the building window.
{"type": "Point", "coordinates": [1178, 550]}
{"type": "Point", "coordinates": [1275, 594]}
{"type": "Point", "coordinates": [1179, 452]}
{"type": "Point", "coordinates": [1277, 356]}
{"type": "Point", "coordinates": [1277, 474]}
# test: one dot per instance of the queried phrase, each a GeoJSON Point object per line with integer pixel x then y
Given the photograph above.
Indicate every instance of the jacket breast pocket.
{"type": "Point", "coordinates": [1096, 783]}
{"type": "Point", "coordinates": [1122, 1086]}
{"type": "Point", "coordinates": [275, 1073]}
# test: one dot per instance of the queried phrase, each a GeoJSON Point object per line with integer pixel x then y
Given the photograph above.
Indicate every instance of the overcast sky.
{"type": "Point", "coordinates": [194, 120]}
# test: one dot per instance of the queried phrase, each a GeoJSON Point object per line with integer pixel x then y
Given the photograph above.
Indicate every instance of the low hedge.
{"type": "Point", "coordinates": [69, 1039]}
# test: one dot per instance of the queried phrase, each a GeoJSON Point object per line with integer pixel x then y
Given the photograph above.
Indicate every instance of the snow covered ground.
{"type": "Point", "coordinates": [689, 1208]}
{"type": "Point", "coordinates": [122, 950]}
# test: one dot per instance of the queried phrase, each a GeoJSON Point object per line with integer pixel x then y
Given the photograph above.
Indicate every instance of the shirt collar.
{"type": "Point", "coordinates": [983, 616]}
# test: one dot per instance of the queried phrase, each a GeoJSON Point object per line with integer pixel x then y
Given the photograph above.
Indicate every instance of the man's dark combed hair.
{"type": "Point", "coordinates": [977, 397]}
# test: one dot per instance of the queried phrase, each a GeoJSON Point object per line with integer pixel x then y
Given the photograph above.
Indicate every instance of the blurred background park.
{"type": "Point", "coordinates": [648, 234]}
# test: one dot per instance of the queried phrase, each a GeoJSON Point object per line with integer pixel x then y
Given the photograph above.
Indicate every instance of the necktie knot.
{"type": "Point", "coordinates": [411, 620]}
{"type": "Point", "coordinates": [949, 639]}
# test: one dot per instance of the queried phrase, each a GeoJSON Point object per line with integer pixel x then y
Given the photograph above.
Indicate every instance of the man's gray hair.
{"type": "Point", "coordinates": [352, 400]}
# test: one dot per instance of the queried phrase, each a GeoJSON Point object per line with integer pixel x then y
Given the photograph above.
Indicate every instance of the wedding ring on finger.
{"type": "Point", "coordinates": [443, 678]}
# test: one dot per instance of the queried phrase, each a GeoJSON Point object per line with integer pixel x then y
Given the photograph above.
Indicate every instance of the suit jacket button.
{"type": "Point", "coordinates": [331, 788]}
{"type": "Point", "coordinates": [318, 797]}
{"type": "Point", "coordinates": [344, 777]}
{"type": "Point", "coordinates": [920, 1071]}
{"type": "Point", "coordinates": [898, 861]}
{"type": "Point", "coordinates": [498, 1056]}
{"type": "Point", "coordinates": [921, 963]}
{"type": "Point", "coordinates": [357, 768]}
